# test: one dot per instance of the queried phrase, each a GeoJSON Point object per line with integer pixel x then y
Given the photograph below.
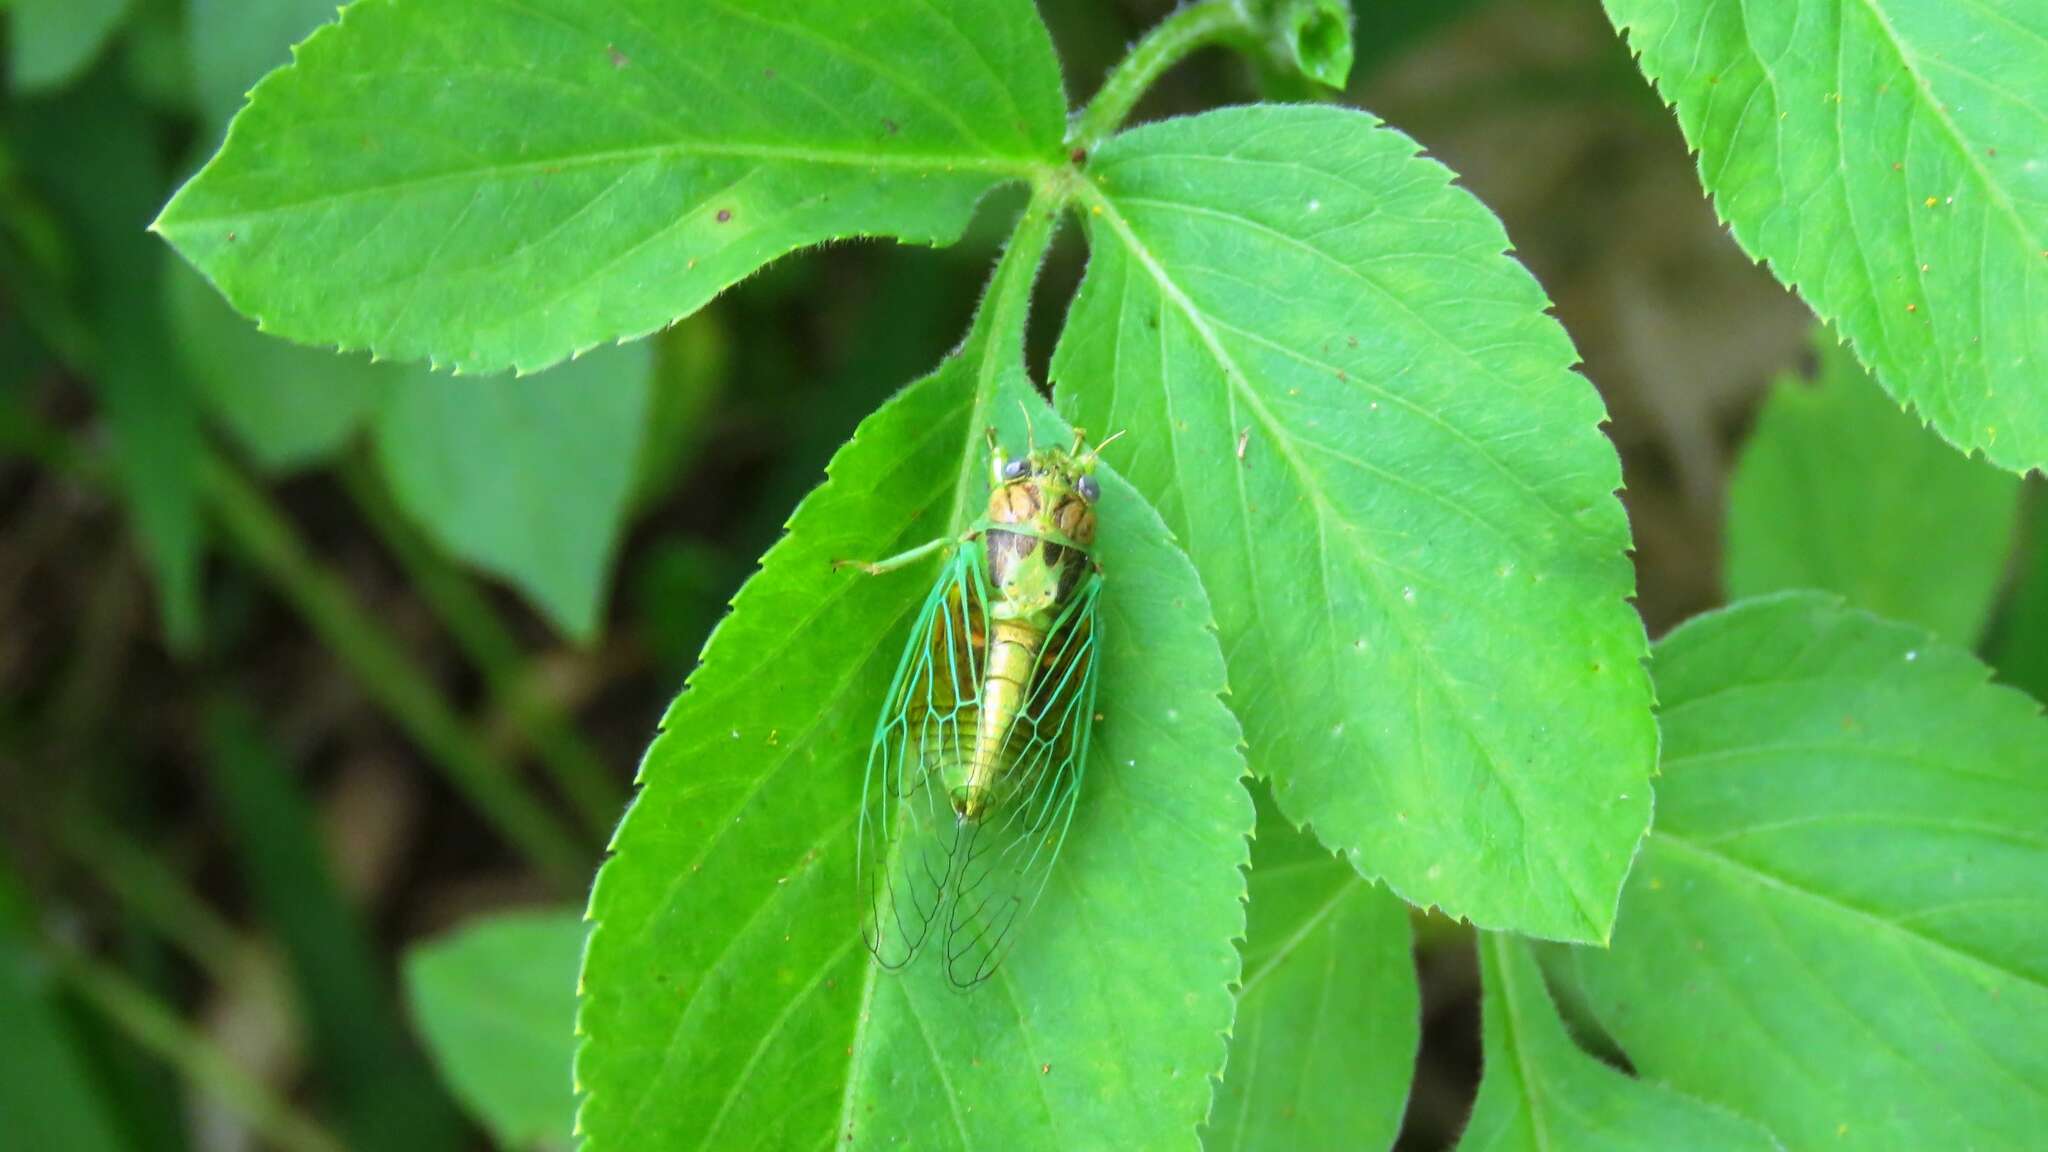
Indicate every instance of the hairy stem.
{"type": "Point", "coordinates": [1189, 29]}
{"type": "Point", "coordinates": [996, 342]}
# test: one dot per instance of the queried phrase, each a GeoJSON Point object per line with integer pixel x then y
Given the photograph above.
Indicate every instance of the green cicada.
{"type": "Point", "coordinates": [975, 768]}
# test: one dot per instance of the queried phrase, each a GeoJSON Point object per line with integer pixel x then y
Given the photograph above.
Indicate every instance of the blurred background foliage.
{"type": "Point", "coordinates": [305, 661]}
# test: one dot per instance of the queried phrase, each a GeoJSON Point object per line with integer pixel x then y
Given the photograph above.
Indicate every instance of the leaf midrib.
{"type": "Point", "coordinates": [1958, 955]}
{"type": "Point", "coordinates": [1237, 384]}
{"type": "Point", "coordinates": [1911, 63]}
{"type": "Point", "coordinates": [1014, 167]}
{"type": "Point", "coordinates": [1300, 935]}
{"type": "Point", "coordinates": [1504, 963]}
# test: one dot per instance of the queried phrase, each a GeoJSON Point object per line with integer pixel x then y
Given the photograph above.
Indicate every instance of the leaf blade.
{"type": "Point", "coordinates": [288, 406]}
{"type": "Point", "coordinates": [755, 843]}
{"type": "Point", "coordinates": [52, 42]}
{"type": "Point", "coordinates": [593, 174]}
{"type": "Point", "coordinates": [529, 479]}
{"type": "Point", "coordinates": [1329, 1016]}
{"type": "Point", "coordinates": [52, 1096]}
{"type": "Point", "coordinates": [1539, 1091]}
{"type": "Point", "coordinates": [1876, 154]}
{"type": "Point", "coordinates": [1838, 490]}
{"type": "Point", "coordinates": [496, 1005]}
{"type": "Point", "coordinates": [1269, 287]}
{"type": "Point", "coordinates": [1843, 884]}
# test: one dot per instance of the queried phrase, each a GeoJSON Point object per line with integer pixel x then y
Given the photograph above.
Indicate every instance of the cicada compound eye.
{"type": "Point", "coordinates": [1016, 469]}
{"type": "Point", "coordinates": [1089, 489]}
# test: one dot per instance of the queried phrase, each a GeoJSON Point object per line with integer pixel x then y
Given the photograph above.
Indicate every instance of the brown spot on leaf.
{"type": "Point", "coordinates": [890, 126]}
{"type": "Point", "coordinates": [619, 59]}
{"type": "Point", "coordinates": [725, 215]}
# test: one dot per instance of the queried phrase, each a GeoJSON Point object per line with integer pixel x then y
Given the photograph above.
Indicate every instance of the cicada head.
{"type": "Point", "coordinates": [1049, 497]}
{"type": "Point", "coordinates": [1050, 492]}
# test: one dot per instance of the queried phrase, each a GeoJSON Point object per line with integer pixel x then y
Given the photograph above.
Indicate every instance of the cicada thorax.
{"type": "Point", "coordinates": [974, 772]}
{"type": "Point", "coordinates": [1036, 548]}
{"type": "Point", "coordinates": [1029, 567]}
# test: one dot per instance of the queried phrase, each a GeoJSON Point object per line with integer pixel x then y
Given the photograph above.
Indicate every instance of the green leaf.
{"type": "Point", "coordinates": [593, 172]}
{"type": "Point", "coordinates": [48, 1092]}
{"type": "Point", "coordinates": [385, 1093]}
{"type": "Point", "coordinates": [529, 479]}
{"type": "Point", "coordinates": [1329, 1018]}
{"type": "Point", "coordinates": [1353, 410]}
{"type": "Point", "coordinates": [496, 1002]}
{"type": "Point", "coordinates": [729, 1000]}
{"type": "Point", "coordinates": [1837, 925]}
{"type": "Point", "coordinates": [50, 42]}
{"type": "Point", "coordinates": [1541, 1092]}
{"type": "Point", "coordinates": [1312, 37]}
{"type": "Point", "coordinates": [233, 43]}
{"type": "Point", "coordinates": [157, 445]}
{"type": "Point", "coordinates": [1839, 490]}
{"type": "Point", "coordinates": [96, 161]}
{"type": "Point", "coordinates": [287, 405]}
{"type": "Point", "coordinates": [1884, 157]}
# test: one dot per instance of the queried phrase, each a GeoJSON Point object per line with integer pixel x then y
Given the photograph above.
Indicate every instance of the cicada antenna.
{"type": "Point", "coordinates": [1095, 453]}
{"type": "Point", "coordinates": [1030, 436]}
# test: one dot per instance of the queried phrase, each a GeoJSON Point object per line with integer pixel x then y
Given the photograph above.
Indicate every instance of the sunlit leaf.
{"type": "Point", "coordinates": [1837, 926]}
{"type": "Point", "coordinates": [1885, 157]}
{"type": "Point", "coordinates": [1839, 490]}
{"type": "Point", "coordinates": [1353, 410]}
{"type": "Point", "coordinates": [1541, 1092]}
{"type": "Point", "coordinates": [503, 185]}
{"type": "Point", "coordinates": [1329, 1016]}
{"type": "Point", "coordinates": [729, 1000]}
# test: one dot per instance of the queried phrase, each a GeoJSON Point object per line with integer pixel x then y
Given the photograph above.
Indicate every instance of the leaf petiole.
{"type": "Point", "coordinates": [1188, 30]}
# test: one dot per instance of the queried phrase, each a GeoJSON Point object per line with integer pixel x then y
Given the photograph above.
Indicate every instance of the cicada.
{"type": "Point", "coordinates": [975, 768]}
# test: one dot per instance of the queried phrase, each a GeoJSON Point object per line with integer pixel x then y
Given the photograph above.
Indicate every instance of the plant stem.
{"type": "Point", "coordinates": [1190, 28]}
{"type": "Point", "coordinates": [147, 1022]}
{"type": "Point", "coordinates": [389, 676]}
{"type": "Point", "coordinates": [996, 341]}
{"type": "Point", "coordinates": [575, 766]}
{"type": "Point", "coordinates": [150, 891]}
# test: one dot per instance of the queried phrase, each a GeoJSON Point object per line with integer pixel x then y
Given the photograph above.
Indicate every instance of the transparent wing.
{"type": "Point", "coordinates": [1002, 861]}
{"type": "Point", "coordinates": [908, 835]}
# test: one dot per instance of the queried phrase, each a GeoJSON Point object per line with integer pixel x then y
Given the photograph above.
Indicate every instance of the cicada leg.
{"type": "Point", "coordinates": [900, 560]}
